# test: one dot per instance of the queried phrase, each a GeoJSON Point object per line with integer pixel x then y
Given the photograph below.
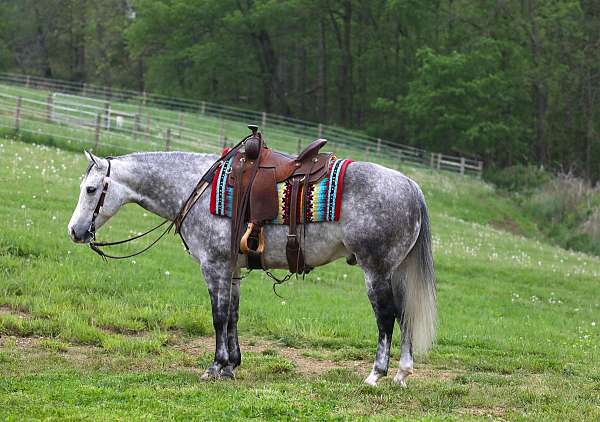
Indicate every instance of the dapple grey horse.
{"type": "Point", "coordinates": [384, 227]}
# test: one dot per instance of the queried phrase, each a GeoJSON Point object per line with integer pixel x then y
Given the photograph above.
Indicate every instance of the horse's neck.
{"type": "Point", "coordinates": [162, 181]}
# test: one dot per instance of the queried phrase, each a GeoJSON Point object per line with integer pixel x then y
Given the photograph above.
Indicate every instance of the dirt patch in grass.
{"type": "Point", "coordinates": [423, 372]}
{"type": "Point", "coordinates": [122, 331]}
{"type": "Point", "coordinates": [497, 413]}
{"type": "Point", "coordinates": [193, 349]}
{"type": "Point", "coordinates": [20, 342]}
{"type": "Point", "coordinates": [304, 365]}
{"type": "Point", "coordinates": [309, 366]}
{"type": "Point", "coordinates": [508, 225]}
{"type": "Point", "coordinates": [7, 310]}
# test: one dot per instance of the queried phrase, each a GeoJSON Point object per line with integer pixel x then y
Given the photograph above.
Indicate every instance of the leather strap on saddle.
{"type": "Point", "coordinates": [241, 197]}
{"type": "Point", "coordinates": [293, 251]}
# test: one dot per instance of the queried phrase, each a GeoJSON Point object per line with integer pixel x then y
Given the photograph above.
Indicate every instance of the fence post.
{"type": "Point", "coordinates": [367, 153]}
{"type": "Point", "coordinates": [320, 130]}
{"type": "Point", "coordinates": [439, 160]}
{"type": "Point", "coordinates": [431, 159]}
{"type": "Point", "coordinates": [221, 131]}
{"type": "Point", "coordinates": [400, 156]}
{"type": "Point", "coordinates": [147, 129]}
{"type": "Point", "coordinates": [479, 169]}
{"type": "Point", "coordinates": [144, 98]}
{"type": "Point", "coordinates": [97, 131]}
{"type": "Point", "coordinates": [27, 82]}
{"type": "Point", "coordinates": [136, 125]}
{"type": "Point", "coordinates": [18, 114]}
{"type": "Point", "coordinates": [107, 115]}
{"type": "Point", "coordinates": [168, 140]}
{"type": "Point", "coordinates": [180, 123]}
{"type": "Point", "coordinates": [203, 107]}
{"type": "Point", "coordinates": [299, 146]}
{"type": "Point", "coordinates": [264, 120]}
{"type": "Point", "coordinates": [462, 165]}
{"type": "Point", "coordinates": [49, 107]}
{"type": "Point", "coordinates": [378, 146]}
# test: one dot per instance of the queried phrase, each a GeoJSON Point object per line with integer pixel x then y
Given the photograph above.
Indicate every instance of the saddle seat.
{"type": "Point", "coordinates": [308, 162]}
{"type": "Point", "coordinates": [256, 200]}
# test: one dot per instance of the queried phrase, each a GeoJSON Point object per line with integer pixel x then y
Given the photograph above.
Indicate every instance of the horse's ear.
{"type": "Point", "coordinates": [92, 158]}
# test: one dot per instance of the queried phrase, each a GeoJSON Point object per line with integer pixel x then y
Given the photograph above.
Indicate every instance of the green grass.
{"type": "Point", "coordinates": [518, 332]}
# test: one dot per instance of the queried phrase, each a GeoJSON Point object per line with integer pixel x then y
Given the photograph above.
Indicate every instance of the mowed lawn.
{"type": "Point", "coordinates": [519, 327]}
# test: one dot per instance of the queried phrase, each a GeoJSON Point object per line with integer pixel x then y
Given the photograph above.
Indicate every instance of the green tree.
{"type": "Point", "coordinates": [465, 103]}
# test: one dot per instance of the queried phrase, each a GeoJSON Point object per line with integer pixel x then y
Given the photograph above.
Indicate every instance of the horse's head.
{"type": "Point", "coordinates": [100, 197]}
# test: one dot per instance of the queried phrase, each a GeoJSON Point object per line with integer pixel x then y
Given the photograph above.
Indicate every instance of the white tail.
{"type": "Point", "coordinates": [416, 278]}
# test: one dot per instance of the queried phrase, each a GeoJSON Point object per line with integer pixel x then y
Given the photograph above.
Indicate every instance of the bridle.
{"type": "Point", "coordinates": [203, 184]}
{"type": "Point", "coordinates": [100, 204]}
{"type": "Point", "coordinates": [95, 246]}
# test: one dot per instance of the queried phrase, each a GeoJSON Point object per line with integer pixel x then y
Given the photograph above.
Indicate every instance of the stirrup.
{"type": "Point", "coordinates": [244, 248]}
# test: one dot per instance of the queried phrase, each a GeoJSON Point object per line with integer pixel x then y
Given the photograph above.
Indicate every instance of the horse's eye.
{"type": "Point", "coordinates": [91, 189]}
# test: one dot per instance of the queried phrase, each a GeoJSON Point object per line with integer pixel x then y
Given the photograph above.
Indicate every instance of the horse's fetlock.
{"type": "Point", "coordinates": [222, 358]}
{"type": "Point", "coordinates": [235, 358]}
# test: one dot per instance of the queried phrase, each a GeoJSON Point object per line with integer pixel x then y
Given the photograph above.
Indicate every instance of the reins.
{"type": "Point", "coordinates": [95, 246]}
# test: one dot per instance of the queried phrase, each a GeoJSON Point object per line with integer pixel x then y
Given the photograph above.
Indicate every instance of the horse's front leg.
{"type": "Point", "coordinates": [218, 279]}
{"type": "Point", "coordinates": [233, 346]}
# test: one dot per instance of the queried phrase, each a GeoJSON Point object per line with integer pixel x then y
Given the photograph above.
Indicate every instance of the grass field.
{"type": "Point", "coordinates": [519, 329]}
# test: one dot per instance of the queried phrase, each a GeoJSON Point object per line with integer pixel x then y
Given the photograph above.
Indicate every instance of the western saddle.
{"type": "Point", "coordinates": [255, 172]}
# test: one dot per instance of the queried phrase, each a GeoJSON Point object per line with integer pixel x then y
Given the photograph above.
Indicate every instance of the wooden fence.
{"type": "Point", "coordinates": [197, 125]}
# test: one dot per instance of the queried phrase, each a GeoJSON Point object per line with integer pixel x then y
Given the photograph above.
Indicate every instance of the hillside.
{"type": "Point", "coordinates": [518, 330]}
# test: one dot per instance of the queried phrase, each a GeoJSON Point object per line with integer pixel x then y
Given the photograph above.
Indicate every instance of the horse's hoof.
{"type": "Point", "coordinates": [372, 379]}
{"type": "Point", "coordinates": [400, 382]}
{"type": "Point", "coordinates": [227, 373]}
{"type": "Point", "coordinates": [210, 374]}
{"type": "Point", "coordinates": [401, 376]}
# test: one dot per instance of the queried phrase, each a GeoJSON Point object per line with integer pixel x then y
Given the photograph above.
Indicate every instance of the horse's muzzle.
{"type": "Point", "coordinates": [79, 236]}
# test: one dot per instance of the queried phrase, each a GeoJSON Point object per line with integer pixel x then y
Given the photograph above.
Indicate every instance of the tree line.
{"type": "Point", "coordinates": [509, 81]}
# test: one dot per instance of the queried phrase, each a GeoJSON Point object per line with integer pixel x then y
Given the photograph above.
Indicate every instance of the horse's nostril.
{"type": "Point", "coordinates": [73, 236]}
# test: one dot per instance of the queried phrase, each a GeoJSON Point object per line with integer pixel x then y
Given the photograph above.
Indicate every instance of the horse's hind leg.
{"type": "Point", "coordinates": [406, 360]}
{"type": "Point", "coordinates": [380, 294]}
{"type": "Point", "coordinates": [233, 346]}
{"type": "Point", "coordinates": [405, 367]}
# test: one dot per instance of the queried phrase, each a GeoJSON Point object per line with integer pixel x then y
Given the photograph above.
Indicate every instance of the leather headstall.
{"type": "Point", "coordinates": [100, 204]}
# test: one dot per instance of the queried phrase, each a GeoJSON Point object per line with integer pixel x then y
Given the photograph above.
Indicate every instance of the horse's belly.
{"type": "Point", "coordinates": [321, 243]}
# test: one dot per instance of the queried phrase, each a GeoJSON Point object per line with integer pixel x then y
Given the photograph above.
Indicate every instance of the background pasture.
{"type": "Point", "coordinates": [518, 330]}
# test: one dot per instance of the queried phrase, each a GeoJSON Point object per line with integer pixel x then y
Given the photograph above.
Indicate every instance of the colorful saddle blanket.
{"type": "Point", "coordinates": [324, 197]}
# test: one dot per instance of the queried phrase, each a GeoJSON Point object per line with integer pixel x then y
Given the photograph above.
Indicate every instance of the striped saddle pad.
{"type": "Point", "coordinates": [323, 199]}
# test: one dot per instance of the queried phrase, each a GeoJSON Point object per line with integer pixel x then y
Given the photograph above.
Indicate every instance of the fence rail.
{"type": "Point", "coordinates": [140, 120]}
